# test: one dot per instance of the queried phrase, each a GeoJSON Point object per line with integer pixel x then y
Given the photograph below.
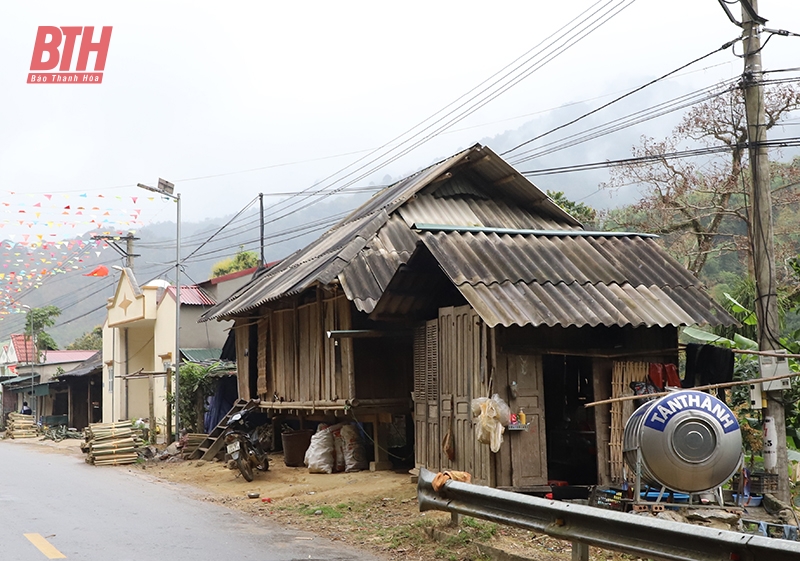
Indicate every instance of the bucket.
{"type": "Point", "coordinates": [295, 444]}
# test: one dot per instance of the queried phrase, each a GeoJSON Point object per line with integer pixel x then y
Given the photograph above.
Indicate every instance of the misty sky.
{"type": "Point", "coordinates": [271, 97]}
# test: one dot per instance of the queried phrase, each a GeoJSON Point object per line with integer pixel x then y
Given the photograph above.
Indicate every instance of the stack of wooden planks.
{"type": "Point", "coordinates": [191, 441]}
{"type": "Point", "coordinates": [21, 426]}
{"type": "Point", "coordinates": [112, 444]}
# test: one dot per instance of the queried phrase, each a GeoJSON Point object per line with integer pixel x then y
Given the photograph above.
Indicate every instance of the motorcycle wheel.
{"type": "Point", "coordinates": [264, 465]}
{"type": "Point", "coordinates": [243, 463]}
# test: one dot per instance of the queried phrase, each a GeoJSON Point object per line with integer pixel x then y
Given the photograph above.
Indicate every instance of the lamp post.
{"type": "Point", "coordinates": [167, 189]}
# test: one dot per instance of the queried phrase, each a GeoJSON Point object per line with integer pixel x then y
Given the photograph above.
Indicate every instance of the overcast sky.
{"type": "Point", "coordinates": [199, 88]}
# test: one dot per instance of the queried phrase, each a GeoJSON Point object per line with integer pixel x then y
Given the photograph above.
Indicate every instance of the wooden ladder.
{"type": "Point", "coordinates": [212, 444]}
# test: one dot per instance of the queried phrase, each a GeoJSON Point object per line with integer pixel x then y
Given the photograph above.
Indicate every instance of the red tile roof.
{"type": "Point", "coordinates": [193, 296]}
{"type": "Point", "coordinates": [23, 347]}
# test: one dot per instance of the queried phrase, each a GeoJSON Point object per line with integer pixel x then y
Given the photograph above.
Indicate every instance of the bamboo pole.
{"type": "Point", "coordinates": [698, 388]}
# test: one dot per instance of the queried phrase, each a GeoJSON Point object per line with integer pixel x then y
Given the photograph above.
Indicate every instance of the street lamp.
{"type": "Point", "coordinates": [167, 189]}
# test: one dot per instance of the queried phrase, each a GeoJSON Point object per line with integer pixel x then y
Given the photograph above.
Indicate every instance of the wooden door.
{"type": "Point", "coordinates": [432, 392]}
{"type": "Point", "coordinates": [528, 448]}
{"type": "Point", "coordinates": [420, 401]}
{"type": "Point", "coordinates": [426, 396]}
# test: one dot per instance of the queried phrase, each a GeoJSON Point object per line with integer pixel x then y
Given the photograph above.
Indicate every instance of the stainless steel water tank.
{"type": "Point", "coordinates": [689, 441]}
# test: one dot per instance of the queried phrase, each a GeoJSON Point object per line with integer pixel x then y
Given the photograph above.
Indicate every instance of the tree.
{"type": "Point", "coordinates": [582, 213]}
{"type": "Point", "coordinates": [196, 383]}
{"type": "Point", "coordinates": [241, 261]}
{"type": "Point", "coordinates": [36, 320]}
{"type": "Point", "coordinates": [92, 341]}
{"type": "Point", "coordinates": [700, 205]}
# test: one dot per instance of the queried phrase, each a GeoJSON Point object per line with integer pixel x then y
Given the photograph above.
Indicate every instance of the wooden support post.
{"type": "Point", "coordinates": [380, 439]}
{"type": "Point", "coordinates": [168, 436]}
{"type": "Point", "coordinates": [152, 407]}
{"type": "Point", "coordinates": [70, 422]}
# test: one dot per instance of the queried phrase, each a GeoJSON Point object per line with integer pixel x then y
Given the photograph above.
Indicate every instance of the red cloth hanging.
{"type": "Point", "coordinates": [671, 373]}
{"type": "Point", "coordinates": [656, 375]}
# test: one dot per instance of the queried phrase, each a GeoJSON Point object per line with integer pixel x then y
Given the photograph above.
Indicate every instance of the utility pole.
{"type": "Point", "coordinates": [127, 253]}
{"type": "Point", "coordinates": [261, 222]}
{"type": "Point", "coordinates": [761, 240]}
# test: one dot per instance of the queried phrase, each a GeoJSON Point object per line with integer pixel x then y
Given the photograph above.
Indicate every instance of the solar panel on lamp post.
{"type": "Point", "coordinates": [167, 189]}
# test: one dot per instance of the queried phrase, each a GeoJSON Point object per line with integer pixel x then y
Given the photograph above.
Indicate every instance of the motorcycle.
{"type": "Point", "coordinates": [243, 444]}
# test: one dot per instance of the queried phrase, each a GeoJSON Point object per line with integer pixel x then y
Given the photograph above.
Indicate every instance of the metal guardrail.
{"type": "Point", "coordinates": [644, 536]}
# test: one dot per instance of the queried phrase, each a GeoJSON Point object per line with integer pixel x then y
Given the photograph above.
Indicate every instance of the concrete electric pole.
{"type": "Point", "coordinates": [761, 241]}
{"type": "Point", "coordinates": [127, 253]}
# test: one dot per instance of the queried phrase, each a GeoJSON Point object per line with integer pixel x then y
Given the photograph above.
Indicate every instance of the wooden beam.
{"type": "Point", "coordinates": [698, 388]}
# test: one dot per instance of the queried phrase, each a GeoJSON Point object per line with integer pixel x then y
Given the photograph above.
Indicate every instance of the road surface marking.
{"type": "Point", "coordinates": [45, 546]}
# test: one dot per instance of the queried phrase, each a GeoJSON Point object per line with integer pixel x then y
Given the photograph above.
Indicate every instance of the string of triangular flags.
{"type": "Point", "coordinates": [23, 268]}
{"type": "Point", "coordinates": [44, 214]}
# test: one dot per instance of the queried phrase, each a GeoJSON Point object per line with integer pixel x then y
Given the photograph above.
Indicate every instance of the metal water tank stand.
{"type": "Point", "coordinates": [637, 492]}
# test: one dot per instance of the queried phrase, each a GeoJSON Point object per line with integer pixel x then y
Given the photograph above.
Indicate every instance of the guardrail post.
{"type": "Point", "coordinates": [455, 519]}
{"type": "Point", "coordinates": [580, 551]}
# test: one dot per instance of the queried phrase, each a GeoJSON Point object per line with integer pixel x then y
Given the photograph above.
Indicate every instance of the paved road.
{"type": "Point", "coordinates": [55, 506]}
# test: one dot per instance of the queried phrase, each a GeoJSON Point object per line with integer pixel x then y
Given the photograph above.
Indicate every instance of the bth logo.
{"type": "Point", "coordinates": [53, 55]}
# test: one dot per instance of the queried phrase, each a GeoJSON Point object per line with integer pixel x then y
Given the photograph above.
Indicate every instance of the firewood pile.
{"type": "Point", "coordinates": [190, 442]}
{"type": "Point", "coordinates": [21, 426]}
{"type": "Point", "coordinates": [111, 444]}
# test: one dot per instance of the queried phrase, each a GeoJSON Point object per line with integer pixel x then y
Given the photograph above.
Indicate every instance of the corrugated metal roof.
{"type": "Point", "coordinates": [510, 279]}
{"type": "Point", "coordinates": [201, 355]}
{"type": "Point", "coordinates": [92, 365]}
{"type": "Point", "coordinates": [193, 295]}
{"type": "Point", "coordinates": [20, 379]}
{"type": "Point", "coordinates": [327, 257]}
{"type": "Point", "coordinates": [574, 280]}
{"type": "Point", "coordinates": [60, 357]}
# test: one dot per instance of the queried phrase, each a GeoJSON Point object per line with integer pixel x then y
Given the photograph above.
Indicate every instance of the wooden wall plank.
{"type": "Point", "coordinates": [263, 352]}
{"type": "Point", "coordinates": [242, 361]}
{"type": "Point", "coordinates": [601, 385]}
{"type": "Point", "coordinates": [346, 382]}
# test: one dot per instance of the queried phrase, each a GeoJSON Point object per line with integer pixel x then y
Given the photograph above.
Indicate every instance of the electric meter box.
{"type": "Point", "coordinates": [756, 399]}
{"type": "Point", "coordinates": [771, 366]}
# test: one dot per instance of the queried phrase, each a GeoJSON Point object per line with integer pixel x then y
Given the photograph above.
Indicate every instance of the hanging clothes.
{"type": "Point", "coordinates": [708, 364]}
{"type": "Point", "coordinates": [671, 376]}
{"type": "Point", "coordinates": [663, 375]}
{"type": "Point", "coordinates": [655, 373]}
{"type": "Point", "coordinates": [692, 352]}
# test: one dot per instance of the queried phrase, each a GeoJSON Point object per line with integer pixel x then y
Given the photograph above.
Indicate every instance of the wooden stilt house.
{"type": "Point", "coordinates": [462, 281]}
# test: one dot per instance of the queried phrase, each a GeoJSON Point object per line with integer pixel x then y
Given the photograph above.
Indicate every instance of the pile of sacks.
{"type": "Point", "coordinates": [336, 448]}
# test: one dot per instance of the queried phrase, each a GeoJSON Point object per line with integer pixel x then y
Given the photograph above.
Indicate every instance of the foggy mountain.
{"type": "Point", "coordinates": [82, 299]}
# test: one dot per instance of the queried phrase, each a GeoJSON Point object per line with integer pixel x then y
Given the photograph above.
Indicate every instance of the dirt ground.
{"type": "Point", "coordinates": [373, 510]}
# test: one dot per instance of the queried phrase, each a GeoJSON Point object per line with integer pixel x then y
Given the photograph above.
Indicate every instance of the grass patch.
{"type": "Point", "coordinates": [325, 511]}
{"type": "Point", "coordinates": [482, 531]}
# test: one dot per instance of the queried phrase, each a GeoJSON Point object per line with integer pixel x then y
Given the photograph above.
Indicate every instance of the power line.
{"type": "Point", "coordinates": [664, 108]}
{"type": "Point", "coordinates": [616, 100]}
{"type": "Point", "coordinates": [708, 150]}
{"type": "Point", "coordinates": [564, 39]}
